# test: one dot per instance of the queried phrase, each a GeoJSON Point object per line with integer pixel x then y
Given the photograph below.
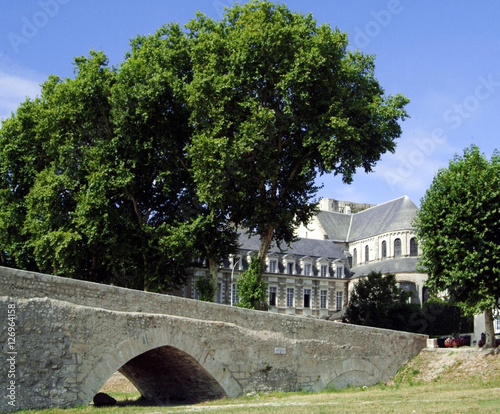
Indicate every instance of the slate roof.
{"type": "Point", "coordinates": [393, 215]}
{"type": "Point", "coordinates": [336, 225]}
{"type": "Point", "coordinates": [302, 247]}
{"type": "Point", "coordinates": [399, 265]}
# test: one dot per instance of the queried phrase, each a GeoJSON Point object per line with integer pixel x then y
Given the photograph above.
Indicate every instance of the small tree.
{"type": "Point", "coordinates": [458, 227]}
{"type": "Point", "coordinates": [377, 301]}
{"type": "Point", "coordinates": [252, 290]}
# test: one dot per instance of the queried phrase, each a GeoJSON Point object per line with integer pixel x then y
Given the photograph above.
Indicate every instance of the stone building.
{"type": "Point", "coordinates": [308, 278]}
{"type": "Point", "coordinates": [343, 242]}
{"type": "Point", "coordinates": [377, 237]}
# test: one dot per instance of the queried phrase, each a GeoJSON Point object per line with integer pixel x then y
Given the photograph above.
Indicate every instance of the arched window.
{"type": "Point", "coordinates": [384, 249]}
{"type": "Point", "coordinates": [411, 288]}
{"type": "Point", "coordinates": [413, 247]}
{"type": "Point", "coordinates": [367, 254]}
{"type": "Point", "coordinates": [354, 257]}
{"type": "Point", "coordinates": [397, 248]}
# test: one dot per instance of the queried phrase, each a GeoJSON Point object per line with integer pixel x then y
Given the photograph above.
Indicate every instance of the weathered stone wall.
{"type": "Point", "coordinates": [71, 336]}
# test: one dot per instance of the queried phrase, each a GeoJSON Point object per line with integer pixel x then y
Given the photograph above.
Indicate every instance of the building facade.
{"type": "Point", "coordinates": [377, 238]}
{"type": "Point", "coordinates": [343, 242]}
{"type": "Point", "coordinates": [308, 278]}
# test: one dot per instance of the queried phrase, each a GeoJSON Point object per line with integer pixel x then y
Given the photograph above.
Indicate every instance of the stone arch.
{"type": "Point", "coordinates": [165, 367]}
{"type": "Point", "coordinates": [167, 375]}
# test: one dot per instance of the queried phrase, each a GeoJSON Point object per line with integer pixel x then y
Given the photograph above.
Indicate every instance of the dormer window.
{"type": "Point", "coordinates": [289, 264]}
{"type": "Point", "coordinates": [339, 269]}
{"type": "Point", "coordinates": [322, 265]}
{"type": "Point", "coordinates": [272, 263]}
{"type": "Point", "coordinates": [306, 263]}
{"type": "Point", "coordinates": [235, 262]}
{"type": "Point", "coordinates": [272, 266]}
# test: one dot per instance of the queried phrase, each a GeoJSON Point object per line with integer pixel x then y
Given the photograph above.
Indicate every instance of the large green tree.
{"type": "Point", "coordinates": [276, 100]}
{"type": "Point", "coordinates": [376, 300]}
{"type": "Point", "coordinates": [458, 227]}
{"type": "Point", "coordinates": [96, 180]}
{"type": "Point", "coordinates": [23, 154]}
{"type": "Point", "coordinates": [151, 116]}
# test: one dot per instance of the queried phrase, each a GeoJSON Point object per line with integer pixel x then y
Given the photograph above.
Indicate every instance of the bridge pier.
{"type": "Point", "coordinates": [71, 336]}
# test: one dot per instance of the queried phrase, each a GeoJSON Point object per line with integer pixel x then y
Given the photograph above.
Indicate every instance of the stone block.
{"type": "Point", "coordinates": [432, 343]}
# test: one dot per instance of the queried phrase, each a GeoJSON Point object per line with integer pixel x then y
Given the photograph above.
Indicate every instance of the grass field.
{"type": "Point", "coordinates": [457, 389]}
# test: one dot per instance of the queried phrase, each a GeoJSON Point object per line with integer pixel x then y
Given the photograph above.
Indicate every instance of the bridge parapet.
{"type": "Point", "coordinates": [71, 336]}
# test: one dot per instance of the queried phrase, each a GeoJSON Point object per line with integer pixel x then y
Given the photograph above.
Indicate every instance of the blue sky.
{"type": "Point", "coordinates": [444, 56]}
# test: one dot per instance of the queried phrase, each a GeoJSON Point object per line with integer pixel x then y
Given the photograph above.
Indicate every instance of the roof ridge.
{"type": "Point", "coordinates": [349, 230]}
{"type": "Point", "coordinates": [381, 204]}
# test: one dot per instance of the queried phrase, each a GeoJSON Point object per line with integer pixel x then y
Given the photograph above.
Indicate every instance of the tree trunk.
{"type": "Point", "coordinates": [265, 243]}
{"type": "Point", "coordinates": [489, 329]}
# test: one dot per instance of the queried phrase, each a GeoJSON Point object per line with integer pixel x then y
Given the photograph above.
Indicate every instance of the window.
{"type": "Point", "coordinates": [234, 294]}
{"type": "Point", "coordinates": [354, 257]}
{"type": "Point", "coordinates": [324, 270]}
{"type": "Point", "coordinates": [307, 269]}
{"type": "Point", "coordinates": [384, 249]}
{"type": "Point", "coordinates": [307, 298]}
{"type": "Point", "coordinates": [323, 299]}
{"type": "Point", "coordinates": [397, 248]}
{"type": "Point", "coordinates": [218, 294]}
{"type": "Point", "coordinates": [272, 295]}
{"type": "Point", "coordinates": [289, 267]}
{"type": "Point", "coordinates": [497, 325]}
{"type": "Point", "coordinates": [367, 254]}
{"type": "Point", "coordinates": [339, 272]}
{"type": "Point", "coordinates": [413, 247]}
{"type": "Point", "coordinates": [289, 297]}
{"type": "Point", "coordinates": [235, 262]}
{"type": "Point", "coordinates": [272, 266]}
{"type": "Point", "coordinates": [409, 287]}
{"type": "Point", "coordinates": [339, 296]}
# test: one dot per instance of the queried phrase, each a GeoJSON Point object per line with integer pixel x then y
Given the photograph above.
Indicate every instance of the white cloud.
{"type": "Point", "coordinates": [15, 89]}
{"type": "Point", "coordinates": [413, 166]}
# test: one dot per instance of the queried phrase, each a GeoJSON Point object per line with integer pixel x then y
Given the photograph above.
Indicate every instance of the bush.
{"type": "Point", "coordinates": [252, 290]}
{"type": "Point", "coordinates": [437, 318]}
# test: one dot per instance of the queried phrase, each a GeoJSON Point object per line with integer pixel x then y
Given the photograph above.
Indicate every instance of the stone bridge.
{"type": "Point", "coordinates": [61, 339]}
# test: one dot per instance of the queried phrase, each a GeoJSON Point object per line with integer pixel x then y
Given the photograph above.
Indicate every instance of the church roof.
{"type": "Point", "coordinates": [395, 266]}
{"type": "Point", "coordinates": [393, 215]}
{"type": "Point", "coordinates": [299, 248]}
{"type": "Point", "coordinates": [336, 225]}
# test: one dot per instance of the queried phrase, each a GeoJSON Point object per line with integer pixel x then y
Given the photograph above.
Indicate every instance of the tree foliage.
{"type": "Point", "coordinates": [128, 175]}
{"type": "Point", "coordinates": [97, 186]}
{"type": "Point", "coordinates": [277, 100]}
{"type": "Point", "coordinates": [252, 290]}
{"type": "Point", "coordinates": [377, 301]}
{"type": "Point", "coordinates": [458, 226]}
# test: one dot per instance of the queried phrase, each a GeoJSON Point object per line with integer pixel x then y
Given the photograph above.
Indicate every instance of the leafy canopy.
{"type": "Point", "coordinates": [458, 226]}
{"type": "Point", "coordinates": [277, 100]}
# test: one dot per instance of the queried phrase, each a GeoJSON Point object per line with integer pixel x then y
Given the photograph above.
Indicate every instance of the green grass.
{"type": "Point", "coordinates": [404, 396]}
